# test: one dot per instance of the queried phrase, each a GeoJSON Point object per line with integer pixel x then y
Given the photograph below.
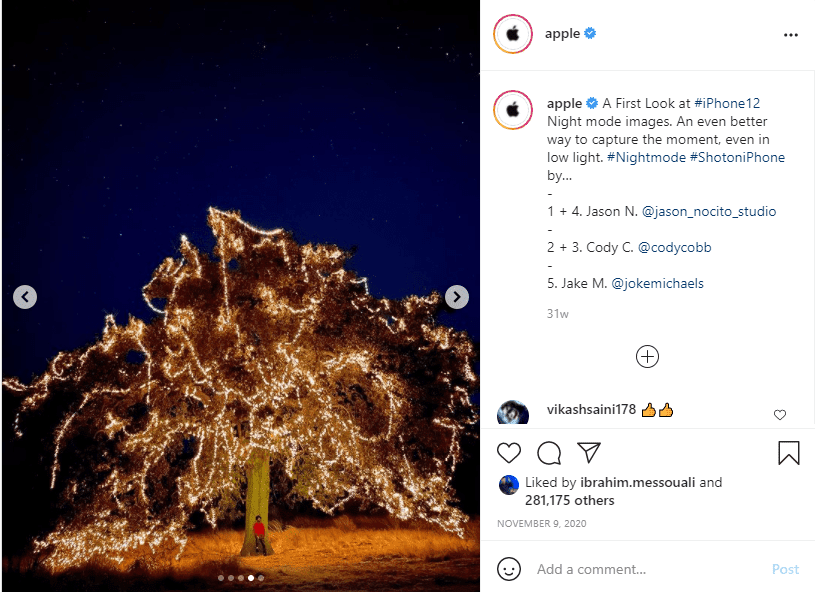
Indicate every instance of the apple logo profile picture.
{"type": "Point", "coordinates": [512, 110]}
{"type": "Point", "coordinates": [512, 34]}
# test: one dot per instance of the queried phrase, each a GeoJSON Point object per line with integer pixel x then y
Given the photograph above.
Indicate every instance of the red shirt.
{"type": "Point", "coordinates": [259, 530]}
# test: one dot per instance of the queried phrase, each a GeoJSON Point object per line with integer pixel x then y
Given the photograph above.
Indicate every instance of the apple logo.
{"type": "Point", "coordinates": [512, 110]}
{"type": "Point", "coordinates": [512, 34]}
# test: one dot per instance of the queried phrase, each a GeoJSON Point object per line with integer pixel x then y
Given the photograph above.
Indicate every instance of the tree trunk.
{"type": "Point", "coordinates": [257, 502]}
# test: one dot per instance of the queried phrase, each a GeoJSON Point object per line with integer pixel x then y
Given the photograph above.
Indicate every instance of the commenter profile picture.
{"type": "Point", "coordinates": [513, 412]}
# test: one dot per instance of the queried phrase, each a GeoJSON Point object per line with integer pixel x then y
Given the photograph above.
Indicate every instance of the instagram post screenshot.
{"type": "Point", "coordinates": [408, 296]}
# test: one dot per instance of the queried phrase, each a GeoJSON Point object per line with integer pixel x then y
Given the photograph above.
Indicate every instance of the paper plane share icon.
{"type": "Point", "coordinates": [590, 448]}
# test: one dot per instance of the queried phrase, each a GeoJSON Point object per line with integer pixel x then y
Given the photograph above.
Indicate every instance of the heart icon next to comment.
{"type": "Point", "coordinates": [509, 452]}
{"type": "Point", "coordinates": [780, 413]}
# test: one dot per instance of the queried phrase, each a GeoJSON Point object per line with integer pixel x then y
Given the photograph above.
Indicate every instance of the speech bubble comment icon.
{"type": "Point", "coordinates": [549, 453]}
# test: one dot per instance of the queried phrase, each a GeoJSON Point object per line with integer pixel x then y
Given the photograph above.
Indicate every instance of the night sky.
{"type": "Point", "coordinates": [346, 123]}
{"type": "Point", "coordinates": [351, 126]}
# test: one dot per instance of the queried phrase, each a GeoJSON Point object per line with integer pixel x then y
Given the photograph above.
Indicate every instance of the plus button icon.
{"type": "Point", "coordinates": [647, 356]}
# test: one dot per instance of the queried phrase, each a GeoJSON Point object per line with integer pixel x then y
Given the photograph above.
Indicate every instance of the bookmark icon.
{"type": "Point", "coordinates": [789, 449]}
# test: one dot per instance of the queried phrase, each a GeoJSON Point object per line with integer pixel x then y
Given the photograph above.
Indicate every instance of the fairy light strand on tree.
{"type": "Point", "coordinates": [355, 397]}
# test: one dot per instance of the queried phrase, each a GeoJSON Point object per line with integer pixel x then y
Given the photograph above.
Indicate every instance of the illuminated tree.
{"type": "Point", "coordinates": [269, 352]}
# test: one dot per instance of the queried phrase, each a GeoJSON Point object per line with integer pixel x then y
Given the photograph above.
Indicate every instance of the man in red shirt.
{"type": "Point", "coordinates": [260, 534]}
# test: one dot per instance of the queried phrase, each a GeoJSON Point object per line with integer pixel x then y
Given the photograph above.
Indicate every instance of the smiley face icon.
{"type": "Point", "coordinates": [509, 569]}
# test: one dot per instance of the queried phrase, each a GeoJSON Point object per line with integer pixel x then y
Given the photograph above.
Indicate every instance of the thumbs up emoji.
{"type": "Point", "coordinates": [666, 411]}
{"type": "Point", "coordinates": [649, 411]}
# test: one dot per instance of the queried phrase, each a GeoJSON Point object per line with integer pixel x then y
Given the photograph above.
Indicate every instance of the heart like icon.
{"type": "Point", "coordinates": [509, 452]}
{"type": "Point", "coordinates": [780, 413]}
